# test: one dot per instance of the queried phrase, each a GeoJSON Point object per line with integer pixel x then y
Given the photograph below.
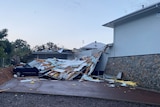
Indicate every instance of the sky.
{"type": "Point", "coordinates": [67, 23]}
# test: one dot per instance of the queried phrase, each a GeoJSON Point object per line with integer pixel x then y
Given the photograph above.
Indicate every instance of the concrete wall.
{"type": "Point", "coordinates": [138, 37]}
{"type": "Point", "coordinates": [143, 69]}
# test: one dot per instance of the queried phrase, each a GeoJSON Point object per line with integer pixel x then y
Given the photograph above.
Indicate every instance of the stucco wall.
{"type": "Point", "coordinates": [145, 69]}
{"type": "Point", "coordinates": [137, 37]}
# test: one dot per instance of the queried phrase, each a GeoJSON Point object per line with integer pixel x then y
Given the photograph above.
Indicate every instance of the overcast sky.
{"type": "Point", "coordinates": [67, 23]}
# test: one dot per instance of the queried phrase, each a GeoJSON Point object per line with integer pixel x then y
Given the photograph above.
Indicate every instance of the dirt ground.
{"type": "Point", "coordinates": [5, 74]}
{"type": "Point", "coordinates": [42, 100]}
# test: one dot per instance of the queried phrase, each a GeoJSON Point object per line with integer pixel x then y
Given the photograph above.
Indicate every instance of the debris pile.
{"type": "Point", "coordinates": [62, 69]}
{"type": "Point", "coordinates": [116, 81]}
{"type": "Point", "coordinates": [59, 68]}
{"type": "Point", "coordinates": [82, 68]}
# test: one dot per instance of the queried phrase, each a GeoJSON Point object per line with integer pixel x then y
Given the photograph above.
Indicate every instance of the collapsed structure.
{"type": "Point", "coordinates": [87, 64]}
{"type": "Point", "coordinates": [65, 69]}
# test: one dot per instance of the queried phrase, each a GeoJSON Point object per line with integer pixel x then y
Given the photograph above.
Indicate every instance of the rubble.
{"type": "Point", "coordinates": [126, 83]}
{"type": "Point", "coordinates": [88, 78]}
{"type": "Point", "coordinates": [65, 69]}
{"type": "Point", "coordinates": [58, 68]}
{"type": "Point", "coordinates": [80, 68]}
{"type": "Point", "coordinates": [118, 80]}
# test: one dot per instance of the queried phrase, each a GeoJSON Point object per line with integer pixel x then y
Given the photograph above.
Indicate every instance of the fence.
{"type": "Point", "coordinates": [5, 62]}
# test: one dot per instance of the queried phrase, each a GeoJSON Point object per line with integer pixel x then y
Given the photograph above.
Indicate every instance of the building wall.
{"type": "Point", "coordinates": [83, 53]}
{"type": "Point", "coordinates": [143, 69]}
{"type": "Point", "coordinates": [138, 37]}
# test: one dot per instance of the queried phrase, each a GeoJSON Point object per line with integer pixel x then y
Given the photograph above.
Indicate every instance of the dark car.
{"type": "Point", "coordinates": [26, 70]}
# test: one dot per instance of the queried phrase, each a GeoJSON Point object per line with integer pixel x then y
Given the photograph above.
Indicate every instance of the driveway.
{"type": "Point", "coordinates": [81, 89]}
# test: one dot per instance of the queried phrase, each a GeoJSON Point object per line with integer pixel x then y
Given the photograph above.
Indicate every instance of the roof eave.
{"type": "Point", "coordinates": [139, 12]}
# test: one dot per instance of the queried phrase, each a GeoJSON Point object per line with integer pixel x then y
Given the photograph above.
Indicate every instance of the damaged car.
{"type": "Point", "coordinates": [25, 70]}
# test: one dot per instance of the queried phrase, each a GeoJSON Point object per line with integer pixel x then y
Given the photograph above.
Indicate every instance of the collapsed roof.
{"type": "Point", "coordinates": [65, 69]}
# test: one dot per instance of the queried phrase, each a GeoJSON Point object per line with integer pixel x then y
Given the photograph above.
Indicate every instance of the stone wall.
{"type": "Point", "coordinates": [144, 69]}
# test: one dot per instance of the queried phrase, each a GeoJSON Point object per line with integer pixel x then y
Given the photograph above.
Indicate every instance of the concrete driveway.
{"type": "Point", "coordinates": [82, 89]}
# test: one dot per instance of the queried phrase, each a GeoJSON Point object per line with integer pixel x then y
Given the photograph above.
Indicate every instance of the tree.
{"type": "Point", "coordinates": [21, 49]}
{"type": "Point", "coordinates": [47, 46]}
{"type": "Point", "coordinates": [4, 45]}
{"type": "Point", "coordinates": [3, 33]}
{"type": "Point", "coordinates": [2, 53]}
{"type": "Point", "coordinates": [50, 45]}
{"type": "Point", "coordinates": [19, 43]}
{"type": "Point", "coordinates": [17, 50]}
{"type": "Point", "coordinates": [7, 46]}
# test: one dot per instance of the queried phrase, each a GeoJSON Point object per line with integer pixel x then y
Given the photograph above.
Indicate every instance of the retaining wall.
{"type": "Point", "coordinates": [144, 69]}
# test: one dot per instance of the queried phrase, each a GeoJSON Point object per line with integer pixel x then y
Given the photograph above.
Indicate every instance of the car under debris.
{"type": "Point", "coordinates": [61, 69]}
{"type": "Point", "coordinates": [25, 70]}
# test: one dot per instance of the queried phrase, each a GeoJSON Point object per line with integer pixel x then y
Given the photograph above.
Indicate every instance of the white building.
{"type": "Point", "coordinates": [136, 47]}
{"type": "Point", "coordinates": [137, 33]}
